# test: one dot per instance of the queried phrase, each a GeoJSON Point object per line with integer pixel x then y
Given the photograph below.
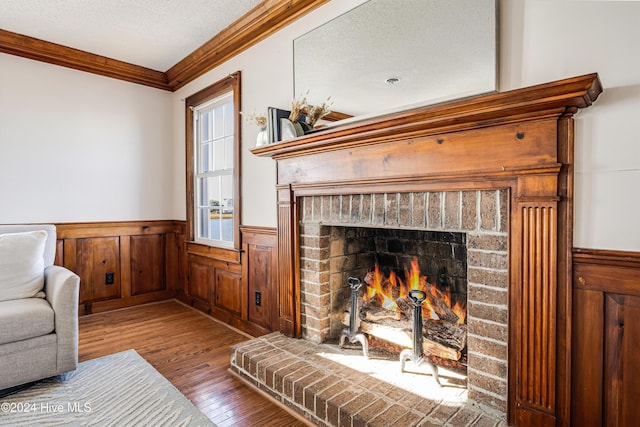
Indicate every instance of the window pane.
{"type": "Point", "coordinates": [228, 152]}
{"type": "Point", "coordinates": [218, 156]}
{"type": "Point", "coordinates": [226, 225]}
{"type": "Point", "coordinates": [228, 118]}
{"type": "Point", "coordinates": [203, 223]}
{"type": "Point", "coordinates": [205, 158]}
{"type": "Point", "coordinates": [218, 122]}
{"type": "Point", "coordinates": [205, 126]}
{"type": "Point", "coordinates": [215, 208]}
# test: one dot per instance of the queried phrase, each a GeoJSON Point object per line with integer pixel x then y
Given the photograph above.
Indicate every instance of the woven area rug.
{"type": "Point", "coordinates": [121, 389]}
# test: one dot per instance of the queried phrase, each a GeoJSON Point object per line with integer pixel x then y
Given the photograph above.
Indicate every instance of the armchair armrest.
{"type": "Point", "coordinates": [62, 288]}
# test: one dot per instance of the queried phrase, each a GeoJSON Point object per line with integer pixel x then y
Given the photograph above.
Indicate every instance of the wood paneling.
{"type": "Point", "coordinates": [587, 372]}
{"type": "Point", "coordinates": [192, 351]}
{"type": "Point", "coordinates": [621, 359]}
{"type": "Point", "coordinates": [96, 258]}
{"type": "Point", "coordinates": [200, 283]}
{"type": "Point", "coordinates": [145, 257]}
{"type": "Point", "coordinates": [147, 263]}
{"type": "Point", "coordinates": [260, 297]}
{"type": "Point", "coordinates": [226, 290]}
{"type": "Point", "coordinates": [259, 272]}
{"type": "Point", "coordinates": [228, 293]}
{"type": "Point", "coordinates": [520, 140]}
{"type": "Point", "coordinates": [606, 305]}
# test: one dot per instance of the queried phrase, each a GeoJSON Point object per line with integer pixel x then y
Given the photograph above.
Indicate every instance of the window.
{"type": "Point", "coordinates": [213, 164]}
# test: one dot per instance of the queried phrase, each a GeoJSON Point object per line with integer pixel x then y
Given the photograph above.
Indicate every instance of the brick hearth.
{"type": "Point", "coordinates": [328, 393]}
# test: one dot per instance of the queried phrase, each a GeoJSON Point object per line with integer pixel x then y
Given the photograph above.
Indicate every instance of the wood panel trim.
{"type": "Point", "coordinates": [214, 252]}
{"type": "Point", "coordinates": [52, 53]}
{"type": "Point", "coordinates": [607, 271]}
{"type": "Point", "coordinates": [604, 257]}
{"type": "Point", "coordinates": [258, 230]}
{"type": "Point", "coordinates": [256, 25]}
{"type": "Point", "coordinates": [75, 230]}
{"type": "Point", "coordinates": [287, 314]}
{"type": "Point", "coordinates": [535, 329]}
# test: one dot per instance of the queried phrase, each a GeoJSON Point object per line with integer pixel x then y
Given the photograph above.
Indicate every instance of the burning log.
{"type": "Point", "coordinates": [405, 305]}
{"type": "Point", "coordinates": [440, 350]}
{"type": "Point", "coordinates": [374, 313]}
{"type": "Point", "coordinates": [448, 334]}
{"type": "Point", "coordinates": [440, 306]}
{"type": "Point", "coordinates": [399, 332]}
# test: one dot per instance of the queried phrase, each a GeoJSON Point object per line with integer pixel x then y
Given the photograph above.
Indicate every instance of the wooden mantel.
{"type": "Point", "coordinates": [520, 140]}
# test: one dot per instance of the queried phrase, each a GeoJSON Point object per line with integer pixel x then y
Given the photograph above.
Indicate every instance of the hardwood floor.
{"type": "Point", "coordinates": [192, 351]}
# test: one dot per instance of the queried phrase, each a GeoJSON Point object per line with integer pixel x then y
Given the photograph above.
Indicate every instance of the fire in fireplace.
{"type": "Point", "coordinates": [386, 312]}
{"type": "Point", "coordinates": [460, 241]}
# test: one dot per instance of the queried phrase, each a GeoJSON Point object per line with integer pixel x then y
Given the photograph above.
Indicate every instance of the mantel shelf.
{"type": "Point", "coordinates": [562, 97]}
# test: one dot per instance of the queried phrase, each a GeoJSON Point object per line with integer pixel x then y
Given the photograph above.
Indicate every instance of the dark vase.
{"type": "Point", "coordinates": [306, 127]}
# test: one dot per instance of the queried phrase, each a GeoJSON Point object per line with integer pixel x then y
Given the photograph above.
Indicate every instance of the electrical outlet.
{"type": "Point", "coordinates": [109, 277]}
{"type": "Point", "coordinates": [258, 298]}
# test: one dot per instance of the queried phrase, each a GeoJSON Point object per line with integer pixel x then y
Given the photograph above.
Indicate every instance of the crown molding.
{"type": "Point", "coordinates": [41, 50]}
{"type": "Point", "coordinates": [256, 25]}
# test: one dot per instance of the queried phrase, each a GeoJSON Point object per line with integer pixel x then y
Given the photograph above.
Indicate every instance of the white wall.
{"type": "Point", "coordinates": [76, 146]}
{"type": "Point", "coordinates": [540, 41]}
{"type": "Point", "coordinates": [546, 40]}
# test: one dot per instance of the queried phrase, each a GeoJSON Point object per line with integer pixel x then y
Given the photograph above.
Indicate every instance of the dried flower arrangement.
{"type": "Point", "coordinates": [316, 112]}
{"type": "Point", "coordinates": [297, 106]}
{"type": "Point", "coordinates": [258, 119]}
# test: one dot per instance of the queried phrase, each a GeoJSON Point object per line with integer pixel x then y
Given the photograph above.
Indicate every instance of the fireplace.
{"type": "Point", "coordinates": [517, 145]}
{"type": "Point", "coordinates": [459, 238]}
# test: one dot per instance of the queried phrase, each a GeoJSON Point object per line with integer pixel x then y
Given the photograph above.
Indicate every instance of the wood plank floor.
{"type": "Point", "coordinates": [192, 351]}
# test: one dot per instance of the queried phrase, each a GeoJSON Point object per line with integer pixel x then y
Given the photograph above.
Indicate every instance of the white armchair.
{"type": "Point", "coordinates": [38, 307]}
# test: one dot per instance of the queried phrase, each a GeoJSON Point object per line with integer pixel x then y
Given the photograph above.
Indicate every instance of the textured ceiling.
{"type": "Point", "coordinates": [150, 33]}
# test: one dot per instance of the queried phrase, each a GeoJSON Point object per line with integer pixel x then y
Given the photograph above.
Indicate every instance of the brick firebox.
{"type": "Point", "coordinates": [481, 215]}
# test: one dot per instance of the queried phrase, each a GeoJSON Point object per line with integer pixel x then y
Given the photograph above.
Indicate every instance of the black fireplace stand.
{"type": "Point", "coordinates": [415, 354]}
{"type": "Point", "coordinates": [352, 332]}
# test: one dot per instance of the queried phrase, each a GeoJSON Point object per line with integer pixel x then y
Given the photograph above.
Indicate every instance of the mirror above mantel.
{"type": "Point", "coordinates": [388, 55]}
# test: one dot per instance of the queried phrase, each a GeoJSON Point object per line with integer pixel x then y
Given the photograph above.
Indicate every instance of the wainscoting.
{"type": "Point", "coordinates": [123, 264]}
{"type": "Point", "coordinates": [606, 333]}
{"type": "Point", "coordinates": [237, 287]}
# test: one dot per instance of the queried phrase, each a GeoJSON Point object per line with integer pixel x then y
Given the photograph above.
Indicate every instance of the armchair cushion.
{"type": "Point", "coordinates": [25, 318]}
{"type": "Point", "coordinates": [22, 265]}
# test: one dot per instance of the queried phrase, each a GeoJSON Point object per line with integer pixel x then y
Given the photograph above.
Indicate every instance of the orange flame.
{"type": "Point", "coordinates": [378, 290]}
{"type": "Point", "coordinates": [382, 290]}
{"type": "Point", "coordinates": [461, 312]}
